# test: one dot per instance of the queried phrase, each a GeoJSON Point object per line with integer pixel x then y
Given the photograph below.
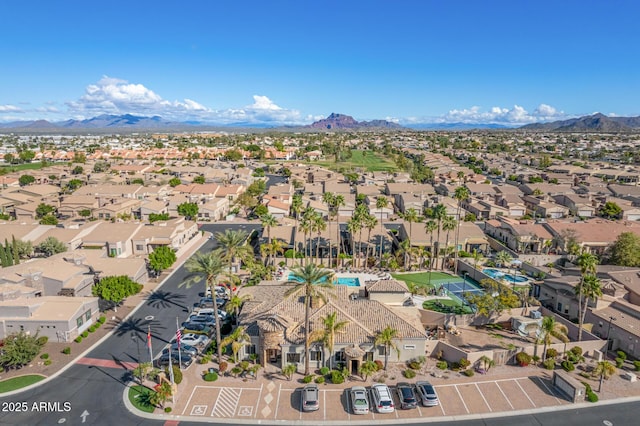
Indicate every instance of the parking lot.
{"type": "Point", "coordinates": [278, 400]}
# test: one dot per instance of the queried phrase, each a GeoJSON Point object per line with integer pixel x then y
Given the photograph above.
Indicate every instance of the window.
{"type": "Point", "coordinates": [382, 350]}
{"type": "Point", "coordinates": [368, 356]}
{"type": "Point", "coordinates": [79, 321]}
{"type": "Point", "coordinates": [293, 358]}
{"type": "Point", "coordinates": [341, 356]}
{"type": "Point", "coordinates": [87, 316]}
{"type": "Point", "coordinates": [409, 347]}
{"type": "Point", "coordinates": [251, 349]}
{"type": "Point", "coordinates": [139, 247]}
{"type": "Point", "coordinates": [316, 356]}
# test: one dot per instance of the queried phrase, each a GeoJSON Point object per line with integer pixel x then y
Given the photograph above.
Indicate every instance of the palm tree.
{"type": "Point", "coordinates": [233, 245]}
{"type": "Point", "coordinates": [439, 213]}
{"type": "Point", "coordinates": [314, 282]}
{"type": "Point", "coordinates": [504, 258]}
{"type": "Point", "coordinates": [551, 328]}
{"type": "Point", "coordinates": [268, 221]}
{"type": "Point", "coordinates": [306, 225]}
{"type": "Point", "coordinates": [487, 363]}
{"type": "Point", "coordinates": [411, 215]}
{"type": "Point", "coordinates": [212, 266]}
{"type": "Point", "coordinates": [367, 368]}
{"type": "Point", "coordinates": [387, 339]}
{"type": "Point", "coordinates": [296, 208]}
{"type": "Point", "coordinates": [449, 223]}
{"type": "Point", "coordinates": [328, 334]}
{"type": "Point", "coordinates": [604, 369]}
{"type": "Point", "coordinates": [277, 247]}
{"type": "Point", "coordinates": [338, 201]}
{"type": "Point", "coordinates": [431, 227]}
{"type": "Point", "coordinates": [234, 305]}
{"type": "Point", "coordinates": [318, 226]}
{"type": "Point", "coordinates": [328, 199]}
{"type": "Point", "coordinates": [590, 289]}
{"type": "Point", "coordinates": [237, 340]}
{"type": "Point", "coordinates": [588, 266]}
{"type": "Point", "coordinates": [381, 203]}
{"type": "Point", "coordinates": [370, 223]}
{"type": "Point", "coordinates": [461, 193]}
{"type": "Point", "coordinates": [477, 257]}
{"type": "Point", "coordinates": [352, 226]}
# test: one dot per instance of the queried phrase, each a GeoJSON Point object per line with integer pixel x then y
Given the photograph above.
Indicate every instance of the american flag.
{"type": "Point", "coordinates": [178, 337]}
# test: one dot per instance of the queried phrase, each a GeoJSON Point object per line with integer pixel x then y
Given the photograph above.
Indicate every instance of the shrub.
{"type": "Point", "coordinates": [379, 364]}
{"type": "Point", "coordinates": [307, 379]}
{"type": "Point", "coordinates": [167, 409]}
{"type": "Point", "coordinates": [535, 359]}
{"type": "Point", "coordinates": [414, 365]}
{"type": "Point", "coordinates": [523, 358]}
{"type": "Point", "coordinates": [442, 365]}
{"type": "Point", "coordinates": [102, 319]}
{"type": "Point", "coordinates": [576, 350]}
{"type": "Point", "coordinates": [551, 353]}
{"type": "Point", "coordinates": [619, 362]}
{"type": "Point", "coordinates": [177, 374]}
{"type": "Point", "coordinates": [319, 380]}
{"type": "Point", "coordinates": [549, 364]}
{"type": "Point", "coordinates": [455, 366]}
{"type": "Point", "coordinates": [324, 371]}
{"type": "Point", "coordinates": [85, 334]}
{"type": "Point", "coordinates": [210, 377]}
{"type": "Point", "coordinates": [592, 397]}
{"type": "Point", "coordinates": [337, 377]}
{"type": "Point", "coordinates": [468, 373]}
{"type": "Point", "coordinates": [78, 339]}
{"type": "Point", "coordinates": [47, 362]}
{"type": "Point", "coordinates": [42, 340]}
{"type": "Point", "coordinates": [91, 329]}
{"type": "Point", "coordinates": [636, 364]}
{"type": "Point", "coordinates": [568, 366]}
{"type": "Point", "coordinates": [66, 350]}
{"type": "Point", "coordinates": [44, 356]}
{"type": "Point", "coordinates": [622, 355]}
{"type": "Point", "coordinates": [205, 359]}
{"type": "Point", "coordinates": [587, 387]}
{"type": "Point", "coordinates": [222, 367]}
{"type": "Point", "coordinates": [409, 373]}
{"type": "Point", "coordinates": [464, 363]}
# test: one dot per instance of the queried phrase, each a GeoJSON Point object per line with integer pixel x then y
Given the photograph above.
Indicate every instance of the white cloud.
{"type": "Point", "coordinates": [10, 108]}
{"type": "Point", "coordinates": [517, 115]}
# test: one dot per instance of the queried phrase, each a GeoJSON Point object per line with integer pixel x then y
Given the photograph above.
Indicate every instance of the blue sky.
{"type": "Point", "coordinates": [291, 62]}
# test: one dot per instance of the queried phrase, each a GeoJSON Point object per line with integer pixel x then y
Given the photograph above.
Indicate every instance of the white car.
{"type": "Point", "coordinates": [193, 339]}
{"type": "Point", "coordinates": [382, 398]}
{"type": "Point", "coordinates": [359, 400]}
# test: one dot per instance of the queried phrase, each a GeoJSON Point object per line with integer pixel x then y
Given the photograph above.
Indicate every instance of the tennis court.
{"type": "Point", "coordinates": [458, 288]}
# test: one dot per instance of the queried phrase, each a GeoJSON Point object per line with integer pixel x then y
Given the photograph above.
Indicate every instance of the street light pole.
{"type": "Point", "coordinates": [606, 350]}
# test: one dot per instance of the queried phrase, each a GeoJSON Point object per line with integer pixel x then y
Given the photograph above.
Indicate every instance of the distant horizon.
{"type": "Point", "coordinates": [285, 63]}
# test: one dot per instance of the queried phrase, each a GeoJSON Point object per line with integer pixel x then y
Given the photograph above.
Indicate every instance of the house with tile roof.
{"type": "Point", "coordinates": [275, 324]}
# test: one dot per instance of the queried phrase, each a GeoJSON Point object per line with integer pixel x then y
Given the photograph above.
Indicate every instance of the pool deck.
{"type": "Point", "coordinates": [363, 277]}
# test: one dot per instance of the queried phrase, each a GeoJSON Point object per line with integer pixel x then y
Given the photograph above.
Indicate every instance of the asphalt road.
{"type": "Point", "coordinates": [97, 391]}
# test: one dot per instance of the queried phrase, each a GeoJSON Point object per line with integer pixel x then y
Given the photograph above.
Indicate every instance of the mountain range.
{"type": "Point", "coordinates": [590, 123]}
{"type": "Point", "coordinates": [346, 122]}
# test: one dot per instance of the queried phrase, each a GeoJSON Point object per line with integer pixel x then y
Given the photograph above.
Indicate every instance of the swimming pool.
{"type": "Point", "coordinates": [493, 273]}
{"type": "Point", "coordinates": [350, 282]}
{"type": "Point", "coordinates": [515, 279]}
{"type": "Point", "coordinates": [496, 274]}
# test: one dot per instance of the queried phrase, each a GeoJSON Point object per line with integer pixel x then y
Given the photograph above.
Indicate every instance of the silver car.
{"type": "Point", "coordinates": [427, 394]}
{"type": "Point", "coordinates": [310, 397]}
{"type": "Point", "coordinates": [359, 400]}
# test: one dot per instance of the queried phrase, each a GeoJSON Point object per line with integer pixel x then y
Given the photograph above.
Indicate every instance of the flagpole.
{"type": "Point", "coordinates": [149, 344]}
{"type": "Point", "coordinates": [171, 378]}
{"type": "Point", "coordinates": [179, 337]}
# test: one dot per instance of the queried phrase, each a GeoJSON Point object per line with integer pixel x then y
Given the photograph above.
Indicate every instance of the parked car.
{"type": "Point", "coordinates": [192, 339]}
{"type": "Point", "coordinates": [209, 311]}
{"type": "Point", "coordinates": [427, 394]}
{"type": "Point", "coordinates": [359, 400]}
{"type": "Point", "coordinates": [198, 326]}
{"type": "Point", "coordinates": [163, 360]}
{"type": "Point", "coordinates": [310, 397]}
{"type": "Point", "coordinates": [406, 396]}
{"type": "Point", "coordinates": [184, 349]}
{"type": "Point", "coordinates": [205, 302]}
{"type": "Point", "coordinates": [382, 398]}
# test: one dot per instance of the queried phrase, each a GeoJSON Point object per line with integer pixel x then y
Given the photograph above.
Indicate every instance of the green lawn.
{"type": "Point", "coordinates": [139, 397]}
{"type": "Point", "coordinates": [371, 161]}
{"type": "Point", "coordinates": [447, 306]}
{"type": "Point", "coordinates": [422, 278]}
{"type": "Point", "coordinates": [36, 165]}
{"type": "Point", "coordinates": [19, 382]}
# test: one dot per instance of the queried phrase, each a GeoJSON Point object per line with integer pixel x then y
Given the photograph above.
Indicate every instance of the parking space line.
{"type": "Point", "coordinates": [505, 396]}
{"type": "Point", "coordinates": [419, 410]}
{"type": "Point", "coordinates": [462, 399]}
{"type": "Point", "coordinates": [441, 408]}
{"type": "Point", "coordinates": [524, 392]}
{"type": "Point", "coordinates": [189, 400]}
{"type": "Point", "coordinates": [549, 390]}
{"type": "Point", "coordinates": [299, 408]}
{"type": "Point", "coordinates": [483, 398]}
{"type": "Point", "coordinates": [324, 405]}
{"type": "Point", "coordinates": [278, 401]}
{"type": "Point", "coordinates": [346, 395]}
{"type": "Point", "coordinates": [258, 401]}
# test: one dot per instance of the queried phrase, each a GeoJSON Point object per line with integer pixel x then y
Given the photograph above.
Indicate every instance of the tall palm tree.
{"type": "Point", "coordinates": [477, 257]}
{"type": "Point", "coordinates": [338, 201]}
{"type": "Point", "coordinates": [431, 227]}
{"type": "Point", "coordinates": [328, 199]}
{"type": "Point", "coordinates": [328, 334]}
{"type": "Point", "coordinates": [449, 223]}
{"type": "Point", "coordinates": [233, 244]}
{"type": "Point", "coordinates": [296, 208]}
{"type": "Point", "coordinates": [212, 266]}
{"type": "Point", "coordinates": [277, 247]}
{"type": "Point", "coordinates": [439, 213]}
{"type": "Point", "coordinates": [306, 225]}
{"type": "Point", "coordinates": [370, 223]}
{"type": "Point", "coordinates": [268, 221]}
{"type": "Point", "coordinates": [234, 305]}
{"type": "Point", "coordinates": [590, 289]}
{"type": "Point", "coordinates": [588, 264]}
{"type": "Point", "coordinates": [411, 216]}
{"type": "Point", "coordinates": [237, 339]}
{"type": "Point", "coordinates": [381, 203]}
{"type": "Point", "coordinates": [461, 193]}
{"type": "Point", "coordinates": [387, 338]}
{"type": "Point", "coordinates": [360, 213]}
{"type": "Point", "coordinates": [504, 258]}
{"type": "Point", "coordinates": [550, 328]}
{"type": "Point", "coordinates": [352, 226]}
{"type": "Point", "coordinates": [313, 282]}
{"type": "Point", "coordinates": [318, 225]}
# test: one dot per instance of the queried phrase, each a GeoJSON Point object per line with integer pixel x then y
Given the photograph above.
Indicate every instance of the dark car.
{"type": "Point", "coordinates": [163, 360]}
{"type": "Point", "coordinates": [406, 396]}
{"type": "Point", "coordinates": [427, 394]}
{"type": "Point", "coordinates": [207, 302]}
{"type": "Point", "coordinates": [198, 326]}
{"type": "Point", "coordinates": [184, 349]}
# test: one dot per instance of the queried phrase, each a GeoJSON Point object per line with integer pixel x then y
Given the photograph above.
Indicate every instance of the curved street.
{"type": "Point", "coordinates": [94, 387]}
